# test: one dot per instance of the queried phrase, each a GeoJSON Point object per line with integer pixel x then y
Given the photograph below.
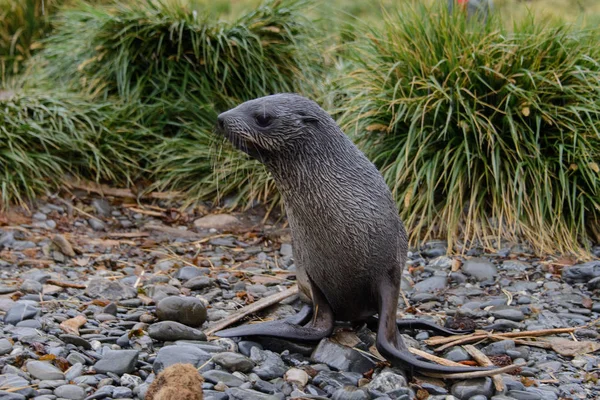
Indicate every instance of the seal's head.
{"type": "Point", "coordinates": [273, 125]}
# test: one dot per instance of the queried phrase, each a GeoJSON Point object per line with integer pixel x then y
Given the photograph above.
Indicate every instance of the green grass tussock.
{"type": "Point", "coordinates": [182, 66]}
{"type": "Point", "coordinates": [43, 137]}
{"type": "Point", "coordinates": [23, 23]}
{"type": "Point", "coordinates": [482, 133]}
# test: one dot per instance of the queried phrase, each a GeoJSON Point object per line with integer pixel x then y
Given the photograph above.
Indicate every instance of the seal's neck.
{"type": "Point", "coordinates": [327, 159]}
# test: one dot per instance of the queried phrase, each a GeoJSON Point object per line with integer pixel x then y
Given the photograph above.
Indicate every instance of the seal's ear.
{"type": "Point", "coordinates": [306, 118]}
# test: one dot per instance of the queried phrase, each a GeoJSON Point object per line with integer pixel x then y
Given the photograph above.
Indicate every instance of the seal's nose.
{"type": "Point", "coordinates": [221, 122]}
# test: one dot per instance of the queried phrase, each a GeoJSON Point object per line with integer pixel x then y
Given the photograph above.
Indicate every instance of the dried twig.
{"type": "Point", "coordinates": [478, 335]}
{"type": "Point", "coordinates": [65, 284]}
{"type": "Point", "coordinates": [105, 190]}
{"type": "Point", "coordinates": [431, 357]}
{"type": "Point", "coordinates": [475, 374]}
{"type": "Point", "coordinates": [486, 362]}
{"type": "Point", "coordinates": [252, 308]}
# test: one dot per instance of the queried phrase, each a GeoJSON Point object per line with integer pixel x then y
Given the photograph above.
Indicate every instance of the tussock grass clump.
{"type": "Point", "coordinates": [44, 136]}
{"type": "Point", "coordinates": [482, 134]}
{"type": "Point", "coordinates": [180, 66]}
{"type": "Point", "coordinates": [23, 23]}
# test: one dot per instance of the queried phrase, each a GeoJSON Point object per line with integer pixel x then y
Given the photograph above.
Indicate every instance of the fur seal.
{"type": "Point", "coordinates": [350, 245]}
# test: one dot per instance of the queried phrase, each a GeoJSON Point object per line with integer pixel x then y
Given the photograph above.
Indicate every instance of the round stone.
{"type": "Point", "coordinates": [233, 362]}
{"type": "Point", "coordinates": [44, 371]}
{"type": "Point", "coordinates": [72, 392]}
{"type": "Point", "coordinates": [189, 311]}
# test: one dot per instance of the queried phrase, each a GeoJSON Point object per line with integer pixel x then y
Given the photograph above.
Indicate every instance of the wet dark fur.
{"type": "Point", "coordinates": [349, 243]}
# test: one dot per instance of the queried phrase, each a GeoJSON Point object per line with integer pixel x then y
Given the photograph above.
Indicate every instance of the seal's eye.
{"type": "Point", "coordinates": [263, 120]}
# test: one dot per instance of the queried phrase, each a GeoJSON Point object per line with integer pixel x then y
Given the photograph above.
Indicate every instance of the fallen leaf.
{"type": "Point", "coordinates": [422, 394]}
{"type": "Point", "coordinates": [566, 347]}
{"type": "Point", "coordinates": [456, 264]}
{"type": "Point", "coordinates": [71, 326]}
{"type": "Point", "coordinates": [526, 111]}
{"type": "Point", "coordinates": [594, 166]}
{"type": "Point", "coordinates": [48, 357]}
{"type": "Point", "coordinates": [527, 382]}
{"type": "Point", "coordinates": [346, 338]}
{"type": "Point", "coordinates": [145, 299]}
{"type": "Point", "coordinates": [587, 303]}
{"type": "Point", "coordinates": [81, 261]}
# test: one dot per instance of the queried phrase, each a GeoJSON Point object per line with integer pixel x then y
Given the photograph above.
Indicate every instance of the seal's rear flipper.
{"type": "Point", "coordinates": [319, 327]}
{"type": "Point", "coordinates": [269, 328]}
{"type": "Point", "coordinates": [390, 343]}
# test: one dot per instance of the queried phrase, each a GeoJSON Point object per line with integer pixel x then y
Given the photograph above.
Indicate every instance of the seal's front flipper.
{"type": "Point", "coordinates": [320, 326]}
{"type": "Point", "coordinates": [390, 343]}
{"type": "Point", "coordinates": [267, 328]}
{"type": "Point", "coordinates": [427, 326]}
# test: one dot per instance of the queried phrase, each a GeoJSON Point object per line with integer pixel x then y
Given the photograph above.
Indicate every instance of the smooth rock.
{"type": "Point", "coordinates": [76, 341]}
{"type": "Point", "coordinates": [96, 224]}
{"type": "Point", "coordinates": [217, 221]}
{"type": "Point", "coordinates": [350, 393]}
{"type": "Point", "coordinates": [198, 283]}
{"type": "Point", "coordinates": [4, 395]}
{"type": "Point", "coordinates": [387, 380]}
{"type": "Point", "coordinates": [296, 376]}
{"type": "Point", "coordinates": [581, 273]}
{"type": "Point", "coordinates": [249, 394]}
{"type": "Point", "coordinates": [44, 371]}
{"type": "Point", "coordinates": [269, 365]}
{"type": "Point", "coordinates": [109, 290]}
{"type": "Point", "coordinates": [5, 346]}
{"type": "Point", "coordinates": [31, 286]}
{"type": "Point", "coordinates": [188, 272]}
{"type": "Point", "coordinates": [507, 312]}
{"type": "Point", "coordinates": [102, 207]}
{"type": "Point", "coordinates": [233, 362]}
{"type": "Point", "coordinates": [480, 269]}
{"type": "Point", "coordinates": [341, 357]}
{"type": "Point", "coordinates": [118, 362]}
{"type": "Point", "coordinates": [216, 376]}
{"type": "Point", "coordinates": [472, 387]}
{"type": "Point", "coordinates": [432, 284]}
{"type": "Point", "coordinates": [172, 331]}
{"type": "Point", "coordinates": [72, 392]}
{"type": "Point", "coordinates": [63, 245]}
{"type": "Point", "coordinates": [185, 354]}
{"type": "Point", "coordinates": [19, 312]}
{"type": "Point", "coordinates": [189, 311]}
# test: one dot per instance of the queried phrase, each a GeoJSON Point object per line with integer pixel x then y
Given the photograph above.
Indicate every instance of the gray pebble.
{"type": "Point", "coordinates": [117, 361]}
{"type": "Point", "coordinates": [122, 393]}
{"type": "Point", "coordinates": [72, 392]}
{"type": "Point", "coordinates": [480, 269]}
{"type": "Point", "coordinates": [387, 381]}
{"type": "Point", "coordinates": [19, 312]}
{"type": "Point", "coordinates": [44, 371]}
{"type": "Point", "coordinates": [269, 365]}
{"type": "Point", "coordinates": [350, 393]}
{"type": "Point", "coordinates": [233, 362]}
{"type": "Point", "coordinates": [473, 387]}
{"type": "Point", "coordinates": [216, 376]}
{"type": "Point", "coordinates": [186, 354]}
{"type": "Point", "coordinates": [341, 357]}
{"type": "Point", "coordinates": [4, 395]}
{"type": "Point", "coordinates": [172, 331]}
{"type": "Point", "coordinates": [109, 290]}
{"type": "Point", "coordinates": [432, 284]}
{"type": "Point", "coordinates": [5, 346]}
{"type": "Point", "coordinates": [507, 312]}
{"type": "Point", "coordinates": [189, 311]}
